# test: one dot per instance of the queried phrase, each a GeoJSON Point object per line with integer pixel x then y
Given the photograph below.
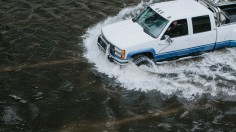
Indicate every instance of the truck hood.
{"type": "Point", "coordinates": [125, 34]}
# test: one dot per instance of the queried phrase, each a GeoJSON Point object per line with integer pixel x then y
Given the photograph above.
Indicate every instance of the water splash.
{"type": "Point", "coordinates": [212, 73]}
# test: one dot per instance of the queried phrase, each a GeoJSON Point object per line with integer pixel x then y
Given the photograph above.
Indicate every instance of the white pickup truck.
{"type": "Point", "coordinates": [170, 30]}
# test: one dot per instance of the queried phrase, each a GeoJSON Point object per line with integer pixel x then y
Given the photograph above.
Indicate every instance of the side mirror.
{"type": "Point", "coordinates": [168, 39]}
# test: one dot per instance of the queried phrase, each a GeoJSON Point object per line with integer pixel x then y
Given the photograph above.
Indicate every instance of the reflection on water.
{"type": "Point", "coordinates": [26, 66]}
{"type": "Point", "coordinates": [53, 77]}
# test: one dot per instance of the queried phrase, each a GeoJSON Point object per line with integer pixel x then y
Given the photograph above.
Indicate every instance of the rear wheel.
{"type": "Point", "coordinates": [143, 62]}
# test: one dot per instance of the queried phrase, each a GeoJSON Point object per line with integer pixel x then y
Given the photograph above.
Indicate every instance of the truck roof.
{"type": "Point", "coordinates": [178, 9]}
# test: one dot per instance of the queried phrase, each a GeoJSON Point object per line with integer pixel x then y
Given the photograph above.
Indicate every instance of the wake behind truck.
{"type": "Point", "coordinates": [170, 30]}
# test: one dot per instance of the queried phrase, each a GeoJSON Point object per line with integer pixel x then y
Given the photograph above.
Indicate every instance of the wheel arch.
{"type": "Point", "coordinates": [150, 53]}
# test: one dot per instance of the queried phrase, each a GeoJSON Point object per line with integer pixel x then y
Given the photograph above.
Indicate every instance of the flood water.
{"type": "Point", "coordinates": [54, 78]}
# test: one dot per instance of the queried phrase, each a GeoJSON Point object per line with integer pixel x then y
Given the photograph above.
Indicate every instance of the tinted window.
{"type": "Point", "coordinates": [201, 24]}
{"type": "Point", "coordinates": [177, 28]}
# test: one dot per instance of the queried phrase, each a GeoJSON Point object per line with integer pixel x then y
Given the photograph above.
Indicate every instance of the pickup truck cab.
{"type": "Point", "coordinates": [170, 30]}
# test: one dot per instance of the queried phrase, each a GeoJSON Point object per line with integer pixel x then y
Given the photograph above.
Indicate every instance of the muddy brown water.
{"type": "Point", "coordinates": [46, 84]}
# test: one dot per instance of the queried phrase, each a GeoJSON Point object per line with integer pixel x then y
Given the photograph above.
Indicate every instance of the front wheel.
{"type": "Point", "coordinates": [143, 62]}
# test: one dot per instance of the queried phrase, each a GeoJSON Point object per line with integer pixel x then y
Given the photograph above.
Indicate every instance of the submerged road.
{"type": "Point", "coordinates": [54, 78]}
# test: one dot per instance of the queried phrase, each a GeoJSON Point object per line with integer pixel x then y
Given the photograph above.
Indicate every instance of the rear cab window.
{"type": "Point", "coordinates": [201, 24]}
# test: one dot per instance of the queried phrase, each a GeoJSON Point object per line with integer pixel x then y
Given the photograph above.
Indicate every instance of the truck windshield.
{"type": "Point", "coordinates": [152, 23]}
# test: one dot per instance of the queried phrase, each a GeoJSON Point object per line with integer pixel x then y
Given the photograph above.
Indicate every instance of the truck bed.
{"type": "Point", "coordinates": [230, 12]}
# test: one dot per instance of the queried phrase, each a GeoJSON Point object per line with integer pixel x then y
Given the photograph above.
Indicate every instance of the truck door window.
{"type": "Point", "coordinates": [201, 24]}
{"type": "Point", "coordinates": [177, 28]}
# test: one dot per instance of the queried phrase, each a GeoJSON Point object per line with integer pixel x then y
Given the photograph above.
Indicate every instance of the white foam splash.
{"type": "Point", "coordinates": [184, 78]}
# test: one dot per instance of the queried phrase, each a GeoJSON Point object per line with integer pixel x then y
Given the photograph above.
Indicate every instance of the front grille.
{"type": "Point", "coordinates": [102, 43]}
{"type": "Point", "coordinates": [112, 50]}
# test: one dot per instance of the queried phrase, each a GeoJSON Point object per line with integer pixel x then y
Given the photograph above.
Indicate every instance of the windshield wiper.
{"type": "Point", "coordinates": [146, 31]}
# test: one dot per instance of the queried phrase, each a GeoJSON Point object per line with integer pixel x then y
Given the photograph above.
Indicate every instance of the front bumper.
{"type": "Point", "coordinates": [105, 48]}
{"type": "Point", "coordinates": [116, 60]}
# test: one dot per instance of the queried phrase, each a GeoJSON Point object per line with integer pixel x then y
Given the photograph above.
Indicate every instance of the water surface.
{"type": "Point", "coordinates": [54, 78]}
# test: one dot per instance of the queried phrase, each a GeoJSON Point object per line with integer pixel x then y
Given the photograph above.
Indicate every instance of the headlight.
{"type": "Point", "coordinates": [118, 50]}
{"type": "Point", "coordinates": [120, 53]}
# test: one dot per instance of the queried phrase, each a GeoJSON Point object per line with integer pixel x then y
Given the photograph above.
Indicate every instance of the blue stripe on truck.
{"type": "Point", "coordinates": [222, 44]}
{"type": "Point", "coordinates": [198, 49]}
{"type": "Point", "coordinates": [183, 52]}
{"type": "Point", "coordinates": [232, 43]}
{"type": "Point", "coordinates": [148, 50]}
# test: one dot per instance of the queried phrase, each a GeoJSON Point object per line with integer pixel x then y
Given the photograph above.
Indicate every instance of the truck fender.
{"type": "Point", "coordinates": [148, 50]}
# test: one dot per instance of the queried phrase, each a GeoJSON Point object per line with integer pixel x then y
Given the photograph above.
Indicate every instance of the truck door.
{"type": "Point", "coordinates": [203, 35]}
{"type": "Point", "coordinates": [224, 34]}
{"type": "Point", "coordinates": [178, 32]}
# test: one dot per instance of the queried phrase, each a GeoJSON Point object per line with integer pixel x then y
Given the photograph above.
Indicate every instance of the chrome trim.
{"type": "Point", "coordinates": [101, 48]}
{"type": "Point", "coordinates": [118, 61]}
{"type": "Point", "coordinates": [108, 54]}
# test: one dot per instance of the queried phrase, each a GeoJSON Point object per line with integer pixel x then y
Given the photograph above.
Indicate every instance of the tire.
{"type": "Point", "coordinates": [142, 61]}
